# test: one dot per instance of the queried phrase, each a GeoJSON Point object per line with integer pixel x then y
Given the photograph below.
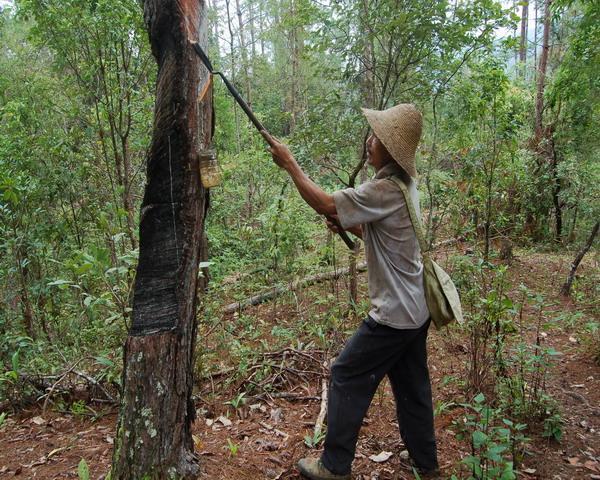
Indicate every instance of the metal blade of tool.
{"type": "Point", "coordinates": [248, 111]}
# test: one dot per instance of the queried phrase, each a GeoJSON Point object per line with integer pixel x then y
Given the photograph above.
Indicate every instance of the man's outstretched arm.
{"type": "Point", "coordinates": [312, 194]}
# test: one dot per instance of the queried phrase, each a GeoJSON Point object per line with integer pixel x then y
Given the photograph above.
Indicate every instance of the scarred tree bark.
{"type": "Point", "coordinates": [154, 428]}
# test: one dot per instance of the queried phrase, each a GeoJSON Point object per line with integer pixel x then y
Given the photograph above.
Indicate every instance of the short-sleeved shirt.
{"type": "Point", "coordinates": [395, 270]}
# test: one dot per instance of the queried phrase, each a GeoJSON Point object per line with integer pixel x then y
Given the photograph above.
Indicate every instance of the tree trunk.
{"type": "Point", "coordinates": [524, 32]}
{"type": "Point", "coordinates": [154, 428]}
{"type": "Point", "coordinates": [571, 236]}
{"type": "Point", "coordinates": [535, 39]}
{"type": "Point", "coordinates": [556, 187]}
{"type": "Point", "coordinates": [368, 100]}
{"type": "Point", "coordinates": [26, 305]}
{"type": "Point", "coordinates": [566, 288]}
{"type": "Point", "coordinates": [244, 52]}
{"type": "Point", "coordinates": [251, 12]}
{"type": "Point", "coordinates": [261, 27]}
{"type": "Point", "coordinates": [214, 37]}
{"type": "Point", "coordinates": [541, 74]}
{"type": "Point", "coordinates": [295, 75]}
{"type": "Point", "coordinates": [515, 10]}
{"type": "Point", "coordinates": [232, 61]}
{"type": "Point", "coordinates": [537, 145]}
{"type": "Point", "coordinates": [489, 173]}
{"type": "Point", "coordinates": [488, 218]}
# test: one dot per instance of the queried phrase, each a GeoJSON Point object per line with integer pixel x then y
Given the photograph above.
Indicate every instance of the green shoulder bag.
{"type": "Point", "coordinates": [440, 292]}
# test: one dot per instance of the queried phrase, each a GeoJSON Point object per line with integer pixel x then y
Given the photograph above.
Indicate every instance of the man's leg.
{"type": "Point", "coordinates": [355, 375]}
{"type": "Point", "coordinates": [412, 389]}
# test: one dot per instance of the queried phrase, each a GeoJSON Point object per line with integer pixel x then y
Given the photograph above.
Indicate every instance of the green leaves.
{"type": "Point", "coordinates": [59, 283]}
{"type": "Point", "coordinates": [479, 438]}
{"type": "Point", "coordinates": [83, 471]}
{"type": "Point", "coordinates": [313, 441]}
{"type": "Point", "coordinates": [495, 441]}
{"type": "Point", "coordinates": [105, 361]}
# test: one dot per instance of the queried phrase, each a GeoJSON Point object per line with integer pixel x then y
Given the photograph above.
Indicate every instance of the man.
{"type": "Point", "coordinates": [392, 339]}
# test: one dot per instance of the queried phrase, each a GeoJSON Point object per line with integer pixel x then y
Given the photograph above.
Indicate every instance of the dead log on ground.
{"type": "Point", "coordinates": [307, 281]}
{"type": "Point", "coordinates": [275, 292]}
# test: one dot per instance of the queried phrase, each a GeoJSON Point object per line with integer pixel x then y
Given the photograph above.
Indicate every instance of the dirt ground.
{"type": "Point", "coordinates": [265, 438]}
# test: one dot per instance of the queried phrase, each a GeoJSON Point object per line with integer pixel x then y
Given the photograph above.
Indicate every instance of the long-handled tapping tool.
{"type": "Point", "coordinates": [259, 126]}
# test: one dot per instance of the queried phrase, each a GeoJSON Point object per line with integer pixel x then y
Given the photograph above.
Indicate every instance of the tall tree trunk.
{"type": "Point", "coordinates": [524, 33]}
{"type": "Point", "coordinates": [128, 196]}
{"type": "Point", "coordinates": [261, 27]}
{"type": "Point", "coordinates": [26, 305]}
{"type": "Point", "coordinates": [535, 38]}
{"type": "Point", "coordinates": [295, 76]}
{"type": "Point", "coordinates": [251, 12]}
{"type": "Point", "coordinates": [541, 73]}
{"type": "Point", "coordinates": [537, 145]}
{"type": "Point", "coordinates": [571, 236]}
{"type": "Point", "coordinates": [154, 428]}
{"type": "Point", "coordinates": [489, 173]}
{"type": "Point", "coordinates": [244, 52]}
{"type": "Point", "coordinates": [232, 61]}
{"type": "Point", "coordinates": [214, 35]}
{"type": "Point", "coordinates": [556, 186]}
{"type": "Point", "coordinates": [368, 100]}
{"type": "Point", "coordinates": [515, 10]}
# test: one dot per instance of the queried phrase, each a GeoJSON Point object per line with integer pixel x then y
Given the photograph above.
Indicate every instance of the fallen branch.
{"type": "Point", "coordinates": [285, 396]}
{"type": "Point", "coordinates": [219, 373]}
{"type": "Point", "coordinates": [448, 242]}
{"type": "Point", "coordinates": [275, 374]}
{"type": "Point", "coordinates": [582, 399]}
{"type": "Point", "coordinates": [50, 385]}
{"type": "Point", "coordinates": [95, 383]}
{"type": "Point", "coordinates": [55, 384]}
{"type": "Point", "coordinates": [295, 351]}
{"type": "Point", "coordinates": [307, 281]}
{"type": "Point", "coordinates": [303, 282]}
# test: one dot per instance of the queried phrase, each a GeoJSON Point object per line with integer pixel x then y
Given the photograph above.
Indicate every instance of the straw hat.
{"type": "Point", "coordinates": [399, 129]}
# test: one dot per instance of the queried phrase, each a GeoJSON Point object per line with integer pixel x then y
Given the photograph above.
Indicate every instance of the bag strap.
{"type": "Point", "coordinates": [416, 222]}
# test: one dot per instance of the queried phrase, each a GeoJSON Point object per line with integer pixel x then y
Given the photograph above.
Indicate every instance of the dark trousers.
{"type": "Point", "coordinates": [375, 351]}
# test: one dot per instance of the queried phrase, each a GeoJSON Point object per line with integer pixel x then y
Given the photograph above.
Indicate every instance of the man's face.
{"type": "Point", "coordinates": [377, 154]}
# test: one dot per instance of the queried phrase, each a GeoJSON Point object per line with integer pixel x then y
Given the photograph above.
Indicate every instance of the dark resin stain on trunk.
{"type": "Point", "coordinates": [154, 428]}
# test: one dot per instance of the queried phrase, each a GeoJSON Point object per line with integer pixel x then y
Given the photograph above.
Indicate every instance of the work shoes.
{"type": "Point", "coordinates": [430, 474]}
{"type": "Point", "coordinates": [314, 469]}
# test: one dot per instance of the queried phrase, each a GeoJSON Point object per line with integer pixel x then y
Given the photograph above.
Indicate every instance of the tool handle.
{"type": "Point", "coordinates": [247, 110]}
{"type": "Point", "coordinates": [341, 232]}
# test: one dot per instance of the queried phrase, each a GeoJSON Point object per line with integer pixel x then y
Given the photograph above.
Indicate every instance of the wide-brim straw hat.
{"type": "Point", "coordinates": [399, 129]}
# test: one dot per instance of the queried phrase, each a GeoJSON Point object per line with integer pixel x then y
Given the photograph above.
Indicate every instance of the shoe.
{"type": "Point", "coordinates": [314, 469]}
{"type": "Point", "coordinates": [429, 474]}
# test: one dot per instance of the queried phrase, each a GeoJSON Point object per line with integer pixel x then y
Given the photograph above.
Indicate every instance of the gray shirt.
{"type": "Point", "coordinates": [393, 256]}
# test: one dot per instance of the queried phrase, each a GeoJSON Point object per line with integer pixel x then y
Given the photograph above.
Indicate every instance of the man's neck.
{"type": "Point", "coordinates": [388, 169]}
